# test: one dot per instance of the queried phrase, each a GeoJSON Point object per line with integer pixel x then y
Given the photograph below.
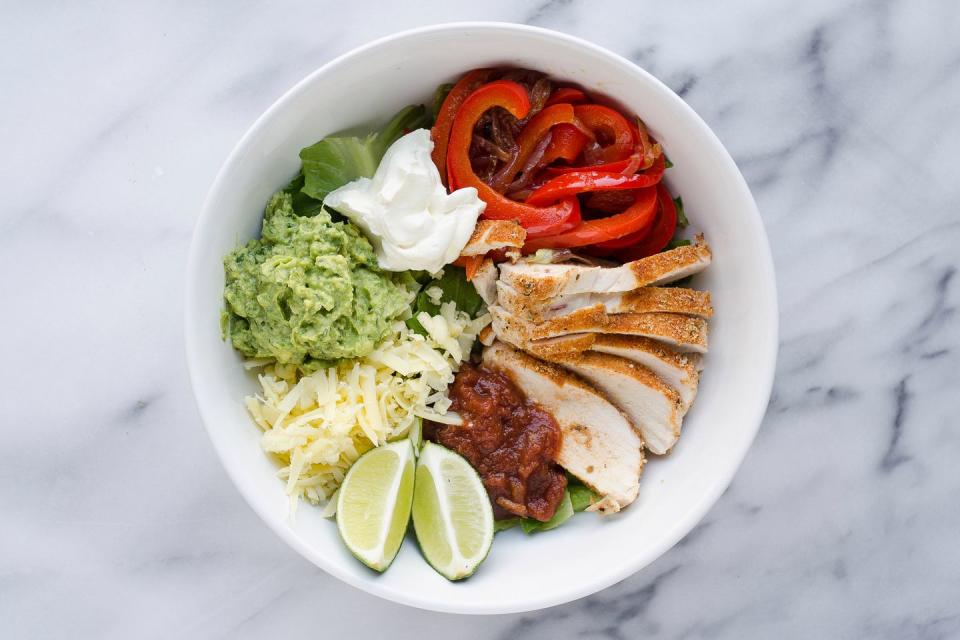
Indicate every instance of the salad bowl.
{"type": "Point", "coordinates": [361, 89]}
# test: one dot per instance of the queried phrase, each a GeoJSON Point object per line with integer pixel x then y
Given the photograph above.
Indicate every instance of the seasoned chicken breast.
{"type": "Point", "coordinates": [599, 444]}
{"type": "Point", "coordinates": [544, 281]}
{"type": "Point", "coordinates": [485, 281]}
{"type": "Point", "coordinates": [490, 235]}
{"type": "Point", "coordinates": [652, 405]}
{"type": "Point", "coordinates": [685, 333]}
{"type": "Point", "coordinates": [679, 370]}
{"type": "Point", "coordinates": [643, 300]}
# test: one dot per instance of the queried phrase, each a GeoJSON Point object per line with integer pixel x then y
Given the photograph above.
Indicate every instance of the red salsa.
{"type": "Point", "coordinates": [509, 440]}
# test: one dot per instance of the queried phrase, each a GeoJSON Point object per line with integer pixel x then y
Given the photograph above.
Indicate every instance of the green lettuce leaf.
{"type": "Point", "coordinates": [337, 160]}
{"type": "Point", "coordinates": [303, 205]}
{"type": "Point", "coordinates": [438, 97]}
{"type": "Point", "coordinates": [503, 525]}
{"type": "Point", "coordinates": [563, 513]}
{"type": "Point", "coordinates": [682, 221]}
{"type": "Point", "coordinates": [455, 286]}
{"type": "Point", "coordinates": [581, 496]}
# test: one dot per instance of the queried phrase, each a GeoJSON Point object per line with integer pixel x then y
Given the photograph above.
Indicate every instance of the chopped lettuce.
{"type": "Point", "coordinates": [337, 160]}
{"type": "Point", "coordinates": [453, 285]}
{"type": "Point", "coordinates": [303, 205]}
{"type": "Point", "coordinates": [577, 497]}
{"type": "Point", "coordinates": [581, 496]}
{"type": "Point", "coordinates": [503, 525]}
{"type": "Point", "coordinates": [682, 221]}
{"type": "Point", "coordinates": [438, 97]}
{"type": "Point", "coordinates": [563, 513]}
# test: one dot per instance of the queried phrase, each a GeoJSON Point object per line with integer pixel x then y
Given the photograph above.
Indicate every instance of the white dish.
{"type": "Point", "coordinates": [366, 86]}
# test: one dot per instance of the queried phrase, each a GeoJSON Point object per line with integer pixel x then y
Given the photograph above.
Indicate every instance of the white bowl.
{"type": "Point", "coordinates": [366, 86]}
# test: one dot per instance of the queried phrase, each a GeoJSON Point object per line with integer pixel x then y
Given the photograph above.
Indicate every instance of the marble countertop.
{"type": "Point", "coordinates": [116, 520]}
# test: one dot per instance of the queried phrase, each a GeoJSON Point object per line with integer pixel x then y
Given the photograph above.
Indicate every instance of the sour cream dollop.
{"type": "Point", "coordinates": [405, 211]}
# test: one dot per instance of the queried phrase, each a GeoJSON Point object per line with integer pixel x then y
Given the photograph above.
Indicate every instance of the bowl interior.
{"type": "Point", "coordinates": [521, 573]}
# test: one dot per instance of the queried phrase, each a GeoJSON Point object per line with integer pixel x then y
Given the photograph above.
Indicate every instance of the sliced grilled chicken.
{"type": "Point", "coordinates": [487, 337]}
{"type": "Point", "coordinates": [485, 281]}
{"type": "Point", "coordinates": [545, 281]}
{"type": "Point", "coordinates": [686, 333]}
{"type": "Point", "coordinates": [567, 345]}
{"type": "Point", "coordinates": [643, 300]}
{"type": "Point", "coordinates": [652, 405]}
{"type": "Point", "coordinates": [663, 300]}
{"type": "Point", "coordinates": [679, 370]}
{"type": "Point", "coordinates": [599, 445]}
{"type": "Point", "coordinates": [490, 235]}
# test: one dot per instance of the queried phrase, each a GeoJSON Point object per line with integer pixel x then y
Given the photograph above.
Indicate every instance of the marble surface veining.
{"type": "Point", "coordinates": [116, 520]}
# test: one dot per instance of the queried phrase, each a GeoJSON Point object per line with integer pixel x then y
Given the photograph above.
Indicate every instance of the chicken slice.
{"type": "Point", "coordinates": [567, 345]}
{"type": "Point", "coordinates": [652, 405]}
{"type": "Point", "coordinates": [486, 336]}
{"type": "Point", "coordinates": [598, 445]}
{"type": "Point", "coordinates": [485, 281]}
{"type": "Point", "coordinates": [643, 300]}
{"type": "Point", "coordinates": [490, 235]}
{"type": "Point", "coordinates": [679, 370]}
{"type": "Point", "coordinates": [544, 281]}
{"type": "Point", "coordinates": [683, 332]}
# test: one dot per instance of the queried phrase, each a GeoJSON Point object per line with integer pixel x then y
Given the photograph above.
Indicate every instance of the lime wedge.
{"type": "Point", "coordinates": [451, 513]}
{"type": "Point", "coordinates": [373, 506]}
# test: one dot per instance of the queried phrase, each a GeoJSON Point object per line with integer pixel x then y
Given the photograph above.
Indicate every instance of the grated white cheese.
{"type": "Point", "coordinates": [319, 424]}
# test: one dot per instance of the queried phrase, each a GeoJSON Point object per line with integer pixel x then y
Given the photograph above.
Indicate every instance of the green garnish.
{"type": "Point", "coordinates": [503, 525]}
{"type": "Point", "coordinates": [581, 496]}
{"type": "Point", "coordinates": [682, 221]}
{"type": "Point", "coordinates": [439, 95]}
{"type": "Point", "coordinates": [454, 286]}
{"type": "Point", "coordinates": [337, 160]}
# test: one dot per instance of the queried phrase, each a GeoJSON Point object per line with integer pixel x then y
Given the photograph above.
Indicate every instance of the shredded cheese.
{"type": "Point", "coordinates": [319, 424]}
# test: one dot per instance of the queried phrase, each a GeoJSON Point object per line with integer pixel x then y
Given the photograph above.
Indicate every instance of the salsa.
{"type": "Point", "coordinates": [509, 440]}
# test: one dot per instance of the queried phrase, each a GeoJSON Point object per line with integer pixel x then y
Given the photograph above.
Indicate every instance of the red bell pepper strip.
{"type": "Point", "coordinates": [530, 136]}
{"type": "Point", "coordinates": [624, 242]}
{"type": "Point", "coordinates": [556, 218]}
{"type": "Point", "coordinates": [618, 166]}
{"type": "Point", "coordinates": [440, 133]}
{"type": "Point", "coordinates": [570, 184]}
{"type": "Point", "coordinates": [610, 201]}
{"type": "Point", "coordinates": [566, 144]}
{"type": "Point", "coordinates": [637, 217]}
{"type": "Point", "coordinates": [657, 168]}
{"type": "Point", "coordinates": [470, 264]}
{"type": "Point", "coordinates": [660, 234]}
{"type": "Point", "coordinates": [619, 133]}
{"type": "Point", "coordinates": [568, 95]}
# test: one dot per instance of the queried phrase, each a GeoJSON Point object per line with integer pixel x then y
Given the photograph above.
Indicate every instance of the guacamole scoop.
{"type": "Point", "coordinates": [308, 291]}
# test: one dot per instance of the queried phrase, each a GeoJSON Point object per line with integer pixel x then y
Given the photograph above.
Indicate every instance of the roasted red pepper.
{"type": "Point", "coordinates": [618, 166]}
{"type": "Point", "coordinates": [614, 133]}
{"type": "Point", "coordinates": [531, 135]}
{"type": "Point", "coordinates": [624, 242]}
{"type": "Point", "coordinates": [451, 104]}
{"type": "Point", "coordinates": [660, 234]}
{"type": "Point", "coordinates": [566, 144]}
{"type": "Point", "coordinates": [570, 184]}
{"type": "Point", "coordinates": [568, 95]}
{"type": "Point", "coordinates": [470, 264]}
{"type": "Point", "coordinates": [538, 221]}
{"type": "Point", "coordinates": [636, 218]}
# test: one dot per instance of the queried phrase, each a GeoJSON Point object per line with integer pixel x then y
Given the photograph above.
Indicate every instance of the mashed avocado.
{"type": "Point", "coordinates": [308, 291]}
